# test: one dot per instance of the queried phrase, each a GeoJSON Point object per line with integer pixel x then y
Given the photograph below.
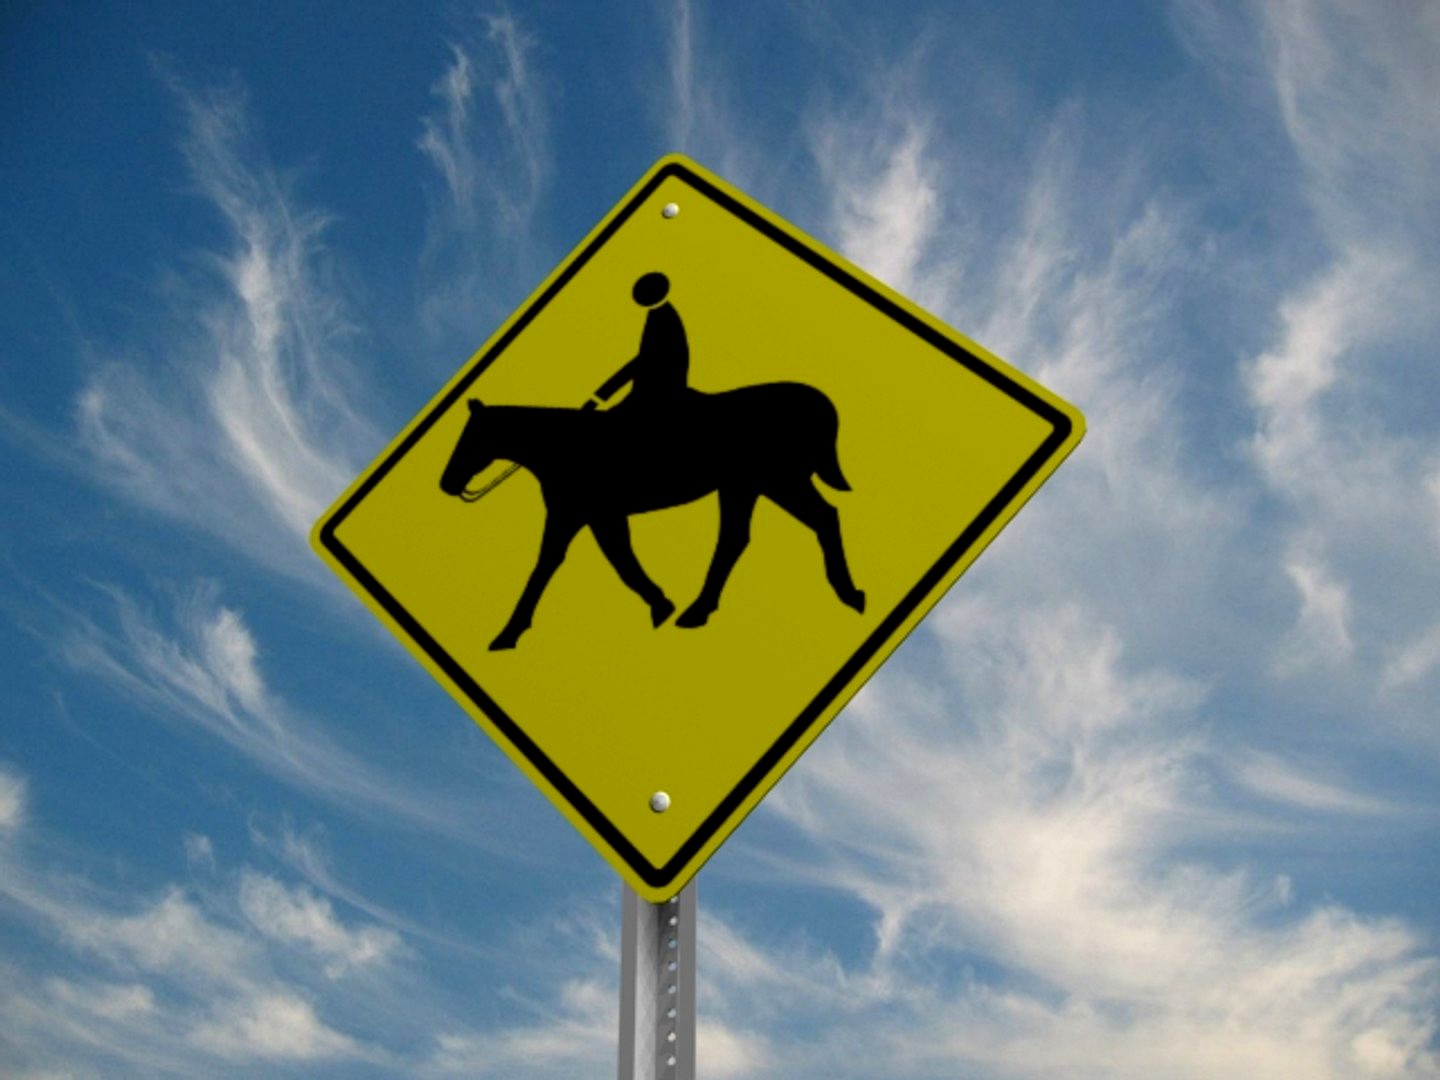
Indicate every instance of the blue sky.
{"type": "Point", "coordinates": [1152, 793]}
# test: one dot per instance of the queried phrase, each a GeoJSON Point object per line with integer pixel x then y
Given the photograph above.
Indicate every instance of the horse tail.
{"type": "Point", "coordinates": [828, 470]}
{"type": "Point", "coordinates": [823, 424]}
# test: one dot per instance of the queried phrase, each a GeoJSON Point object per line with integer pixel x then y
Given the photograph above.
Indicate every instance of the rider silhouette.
{"type": "Point", "coordinates": [658, 374]}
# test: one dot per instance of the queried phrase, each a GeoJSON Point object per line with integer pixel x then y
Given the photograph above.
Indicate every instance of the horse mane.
{"type": "Point", "coordinates": [522, 432]}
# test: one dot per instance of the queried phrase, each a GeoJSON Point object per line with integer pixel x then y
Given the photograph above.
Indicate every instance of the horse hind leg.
{"type": "Point", "coordinates": [613, 536]}
{"type": "Point", "coordinates": [802, 501]}
{"type": "Point", "coordinates": [736, 509]}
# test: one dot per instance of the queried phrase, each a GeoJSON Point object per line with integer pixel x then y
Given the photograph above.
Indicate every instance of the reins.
{"type": "Point", "coordinates": [475, 496]}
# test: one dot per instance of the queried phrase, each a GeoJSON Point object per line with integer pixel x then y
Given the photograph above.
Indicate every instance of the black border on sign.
{"type": "Point", "coordinates": [659, 876]}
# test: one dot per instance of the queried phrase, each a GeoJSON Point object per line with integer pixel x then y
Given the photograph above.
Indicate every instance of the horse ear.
{"type": "Point", "coordinates": [475, 406]}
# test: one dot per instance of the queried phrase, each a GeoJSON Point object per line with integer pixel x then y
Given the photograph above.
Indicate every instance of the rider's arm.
{"type": "Point", "coordinates": [611, 386]}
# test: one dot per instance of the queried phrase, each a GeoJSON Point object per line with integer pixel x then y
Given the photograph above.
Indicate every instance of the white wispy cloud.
{"type": "Point", "coordinates": [242, 422]}
{"type": "Point", "coordinates": [1321, 634]}
{"type": "Point", "coordinates": [174, 983]}
{"type": "Point", "coordinates": [692, 100]}
{"type": "Point", "coordinates": [444, 139]}
{"type": "Point", "coordinates": [307, 854]}
{"type": "Point", "coordinates": [885, 203]}
{"type": "Point", "coordinates": [1340, 473]}
{"type": "Point", "coordinates": [682, 98]}
{"type": "Point", "coordinates": [110, 1001]}
{"type": "Point", "coordinates": [489, 142]}
{"type": "Point", "coordinates": [12, 801]}
{"type": "Point", "coordinates": [246, 971]}
{"type": "Point", "coordinates": [200, 671]}
{"type": "Point", "coordinates": [1282, 781]}
{"type": "Point", "coordinates": [572, 1036]}
{"type": "Point", "coordinates": [271, 1027]}
{"type": "Point", "coordinates": [298, 917]}
{"type": "Point", "coordinates": [200, 851]}
{"type": "Point", "coordinates": [59, 1028]}
{"type": "Point", "coordinates": [243, 971]}
{"type": "Point", "coordinates": [1413, 661]}
{"type": "Point", "coordinates": [1355, 89]}
{"type": "Point", "coordinates": [491, 153]}
{"type": "Point", "coordinates": [730, 1053]}
{"type": "Point", "coordinates": [1046, 785]}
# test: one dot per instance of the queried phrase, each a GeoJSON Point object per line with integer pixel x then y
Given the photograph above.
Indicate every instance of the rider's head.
{"type": "Point", "coordinates": [651, 289]}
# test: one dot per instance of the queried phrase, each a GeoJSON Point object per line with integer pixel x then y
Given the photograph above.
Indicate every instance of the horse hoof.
{"type": "Point", "coordinates": [661, 611]}
{"type": "Point", "coordinates": [692, 618]}
{"type": "Point", "coordinates": [856, 600]}
{"type": "Point", "coordinates": [504, 641]}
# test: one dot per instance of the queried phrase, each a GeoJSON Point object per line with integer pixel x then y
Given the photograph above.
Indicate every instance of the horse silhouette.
{"type": "Point", "coordinates": [596, 469]}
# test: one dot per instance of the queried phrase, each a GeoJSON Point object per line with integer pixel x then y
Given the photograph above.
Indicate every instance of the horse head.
{"type": "Point", "coordinates": [471, 453]}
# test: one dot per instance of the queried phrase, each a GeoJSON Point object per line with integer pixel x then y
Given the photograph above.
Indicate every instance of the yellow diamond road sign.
{"type": "Point", "coordinates": [666, 522]}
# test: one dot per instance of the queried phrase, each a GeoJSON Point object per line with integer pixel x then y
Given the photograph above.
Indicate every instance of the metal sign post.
{"type": "Point", "coordinates": [657, 987]}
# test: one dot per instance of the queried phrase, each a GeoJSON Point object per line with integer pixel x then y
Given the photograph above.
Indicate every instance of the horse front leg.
{"type": "Point", "coordinates": [736, 509]}
{"type": "Point", "coordinates": [559, 531]}
{"type": "Point", "coordinates": [613, 536]}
